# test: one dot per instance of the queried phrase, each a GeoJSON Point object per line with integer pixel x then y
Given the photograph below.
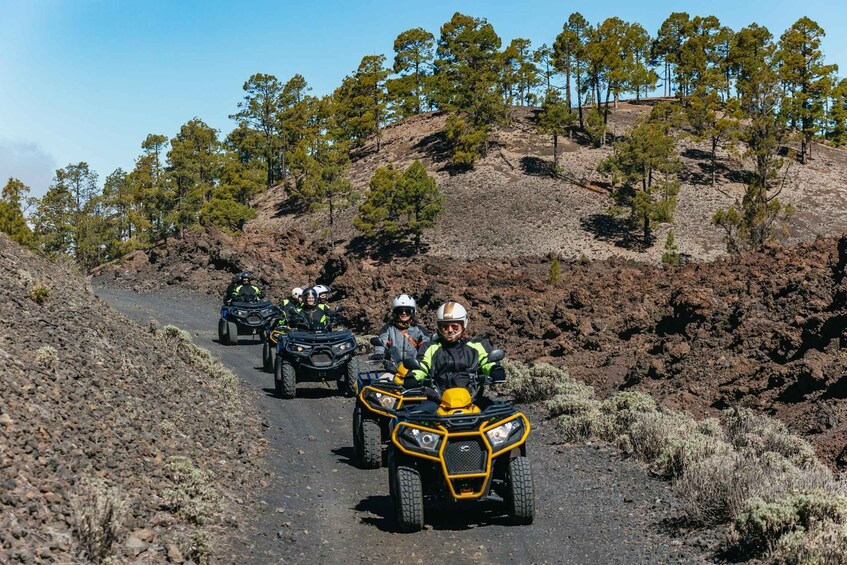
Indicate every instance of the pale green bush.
{"type": "Point", "coordinates": [192, 497]}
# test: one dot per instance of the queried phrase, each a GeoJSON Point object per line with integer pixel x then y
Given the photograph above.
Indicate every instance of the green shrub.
{"type": "Point", "coordinates": [39, 293]}
{"type": "Point", "coordinates": [760, 524]}
{"type": "Point", "coordinates": [555, 274]}
{"type": "Point", "coordinates": [192, 497]}
{"type": "Point", "coordinates": [747, 429]}
{"type": "Point", "coordinates": [538, 382]}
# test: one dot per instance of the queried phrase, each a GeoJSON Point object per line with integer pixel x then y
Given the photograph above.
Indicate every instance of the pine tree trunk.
{"type": "Point", "coordinates": [555, 154]}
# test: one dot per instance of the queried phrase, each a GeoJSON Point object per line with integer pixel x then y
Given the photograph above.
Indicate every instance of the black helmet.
{"type": "Point", "coordinates": [310, 292]}
{"type": "Point", "coordinates": [245, 275]}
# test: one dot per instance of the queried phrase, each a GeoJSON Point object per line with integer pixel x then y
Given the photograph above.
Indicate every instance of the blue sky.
{"type": "Point", "coordinates": [87, 80]}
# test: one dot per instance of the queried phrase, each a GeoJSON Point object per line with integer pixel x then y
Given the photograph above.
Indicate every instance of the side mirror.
{"type": "Point", "coordinates": [340, 308]}
{"type": "Point", "coordinates": [496, 355]}
{"type": "Point", "coordinates": [412, 364]}
{"type": "Point", "coordinates": [390, 366]}
{"type": "Point", "coordinates": [376, 342]}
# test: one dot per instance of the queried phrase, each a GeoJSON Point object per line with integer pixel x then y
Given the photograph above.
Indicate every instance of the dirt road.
{"type": "Point", "coordinates": [314, 506]}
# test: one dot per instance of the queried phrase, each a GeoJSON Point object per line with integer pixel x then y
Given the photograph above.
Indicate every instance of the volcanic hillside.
{"type": "Point", "coordinates": [510, 206]}
{"type": "Point", "coordinates": [115, 440]}
{"type": "Point", "coordinates": [762, 330]}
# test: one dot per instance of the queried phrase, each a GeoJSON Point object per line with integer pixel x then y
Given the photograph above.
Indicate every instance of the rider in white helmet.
{"type": "Point", "coordinates": [402, 334]}
{"type": "Point", "coordinates": [453, 352]}
{"type": "Point", "coordinates": [289, 305]}
{"type": "Point", "coordinates": [323, 295]}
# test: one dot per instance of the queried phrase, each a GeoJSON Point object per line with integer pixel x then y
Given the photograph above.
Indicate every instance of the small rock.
{"type": "Point", "coordinates": [135, 546]}
{"type": "Point", "coordinates": [174, 554]}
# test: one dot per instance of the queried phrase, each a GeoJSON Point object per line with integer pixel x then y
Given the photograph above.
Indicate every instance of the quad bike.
{"type": "Point", "coordinates": [315, 356]}
{"type": "Point", "coordinates": [273, 333]}
{"type": "Point", "coordinates": [459, 452]}
{"type": "Point", "coordinates": [381, 394]}
{"type": "Point", "coordinates": [244, 318]}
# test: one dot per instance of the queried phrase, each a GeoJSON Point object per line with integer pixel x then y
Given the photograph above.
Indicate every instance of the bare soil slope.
{"type": "Point", "coordinates": [93, 408]}
{"type": "Point", "coordinates": [510, 206]}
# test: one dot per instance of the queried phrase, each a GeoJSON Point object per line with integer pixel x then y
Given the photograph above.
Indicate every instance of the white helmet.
{"type": "Point", "coordinates": [296, 293]}
{"type": "Point", "coordinates": [451, 312]}
{"type": "Point", "coordinates": [404, 301]}
{"type": "Point", "coordinates": [322, 291]}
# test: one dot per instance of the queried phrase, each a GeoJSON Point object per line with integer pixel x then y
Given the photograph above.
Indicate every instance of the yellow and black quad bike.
{"type": "Point", "coordinates": [274, 333]}
{"type": "Point", "coordinates": [381, 394]}
{"type": "Point", "coordinates": [459, 452]}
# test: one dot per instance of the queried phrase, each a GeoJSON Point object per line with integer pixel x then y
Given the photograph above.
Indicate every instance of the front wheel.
{"type": "Point", "coordinates": [408, 500]}
{"type": "Point", "coordinates": [370, 444]}
{"type": "Point", "coordinates": [267, 357]}
{"type": "Point", "coordinates": [223, 335]}
{"type": "Point", "coordinates": [521, 493]}
{"type": "Point", "coordinates": [285, 378]}
{"type": "Point", "coordinates": [232, 333]}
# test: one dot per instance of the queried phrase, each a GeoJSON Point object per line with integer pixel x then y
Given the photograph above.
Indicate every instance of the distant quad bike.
{"type": "Point", "coordinates": [316, 356]}
{"type": "Point", "coordinates": [244, 318]}
{"type": "Point", "coordinates": [381, 394]}
{"type": "Point", "coordinates": [273, 332]}
{"type": "Point", "coordinates": [459, 452]}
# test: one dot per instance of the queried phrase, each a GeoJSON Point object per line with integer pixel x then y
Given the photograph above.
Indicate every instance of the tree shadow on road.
{"type": "Point", "coordinates": [345, 455]}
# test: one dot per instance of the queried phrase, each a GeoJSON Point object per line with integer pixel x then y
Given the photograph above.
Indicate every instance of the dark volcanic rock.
{"type": "Point", "coordinates": [93, 407]}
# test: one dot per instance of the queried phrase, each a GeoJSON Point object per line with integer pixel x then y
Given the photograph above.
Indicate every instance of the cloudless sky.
{"type": "Point", "coordinates": [87, 80]}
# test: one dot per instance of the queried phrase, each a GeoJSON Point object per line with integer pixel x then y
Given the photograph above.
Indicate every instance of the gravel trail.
{"type": "Point", "coordinates": [314, 506]}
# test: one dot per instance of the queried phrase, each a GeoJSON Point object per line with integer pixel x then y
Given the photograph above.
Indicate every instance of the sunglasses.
{"type": "Point", "coordinates": [404, 311]}
{"type": "Point", "coordinates": [451, 327]}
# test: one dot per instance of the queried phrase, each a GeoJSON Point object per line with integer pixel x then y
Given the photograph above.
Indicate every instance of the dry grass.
{"type": "Point", "coordinates": [743, 469]}
{"type": "Point", "coordinates": [192, 497]}
{"type": "Point", "coordinates": [98, 515]}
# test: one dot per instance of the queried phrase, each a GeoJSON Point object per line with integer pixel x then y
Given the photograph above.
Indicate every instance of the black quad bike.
{"type": "Point", "coordinates": [315, 356]}
{"type": "Point", "coordinates": [459, 452]}
{"type": "Point", "coordinates": [245, 318]}
{"type": "Point", "coordinates": [273, 333]}
{"type": "Point", "coordinates": [381, 394]}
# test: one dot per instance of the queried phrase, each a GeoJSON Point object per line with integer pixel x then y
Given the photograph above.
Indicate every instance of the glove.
{"type": "Point", "coordinates": [410, 382]}
{"type": "Point", "coordinates": [497, 374]}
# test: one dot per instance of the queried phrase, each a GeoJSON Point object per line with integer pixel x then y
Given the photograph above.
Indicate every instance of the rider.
{"type": "Point", "coordinates": [244, 290]}
{"type": "Point", "coordinates": [312, 317]}
{"type": "Point", "coordinates": [323, 295]}
{"type": "Point", "coordinates": [403, 332]}
{"type": "Point", "coordinates": [452, 353]}
{"type": "Point", "coordinates": [288, 306]}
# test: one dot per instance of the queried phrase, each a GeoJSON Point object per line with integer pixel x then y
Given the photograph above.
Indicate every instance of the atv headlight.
{"type": "Point", "coordinates": [345, 347]}
{"type": "Point", "coordinates": [421, 439]}
{"type": "Point", "coordinates": [267, 312]}
{"type": "Point", "coordinates": [298, 348]}
{"type": "Point", "coordinates": [504, 433]}
{"type": "Point", "coordinates": [240, 313]}
{"type": "Point", "coordinates": [386, 401]}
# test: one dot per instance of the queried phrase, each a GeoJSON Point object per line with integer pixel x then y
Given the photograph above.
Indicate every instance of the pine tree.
{"type": "Point", "coordinates": [713, 121]}
{"type": "Point", "coordinates": [399, 206]}
{"type": "Point", "coordinates": [555, 119]}
{"type": "Point", "coordinates": [258, 113]}
{"type": "Point", "coordinates": [192, 173]}
{"type": "Point", "coordinates": [803, 72]}
{"type": "Point", "coordinates": [413, 62]}
{"type": "Point", "coordinates": [646, 166]}
{"type": "Point", "coordinates": [466, 78]}
{"type": "Point", "coordinates": [12, 221]}
{"type": "Point", "coordinates": [361, 101]}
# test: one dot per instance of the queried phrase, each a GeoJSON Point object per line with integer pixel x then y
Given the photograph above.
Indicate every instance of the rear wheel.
{"type": "Point", "coordinates": [347, 384]}
{"type": "Point", "coordinates": [521, 495]}
{"type": "Point", "coordinates": [371, 444]}
{"type": "Point", "coordinates": [223, 335]}
{"type": "Point", "coordinates": [267, 357]}
{"type": "Point", "coordinates": [232, 333]}
{"type": "Point", "coordinates": [408, 500]}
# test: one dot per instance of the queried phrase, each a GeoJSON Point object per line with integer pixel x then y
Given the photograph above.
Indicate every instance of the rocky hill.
{"type": "Point", "coordinates": [115, 440]}
{"type": "Point", "coordinates": [509, 206]}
